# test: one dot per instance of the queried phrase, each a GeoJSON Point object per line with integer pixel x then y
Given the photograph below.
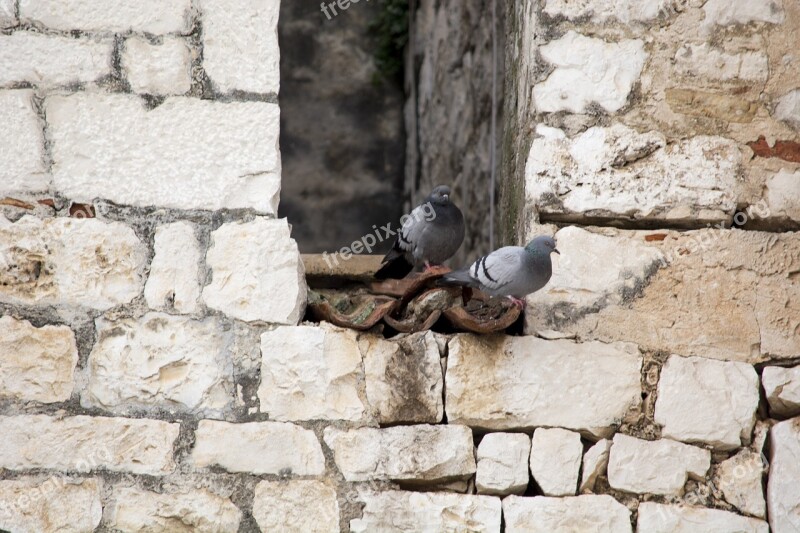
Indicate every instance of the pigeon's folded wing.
{"type": "Point", "coordinates": [411, 232]}
{"type": "Point", "coordinates": [497, 269]}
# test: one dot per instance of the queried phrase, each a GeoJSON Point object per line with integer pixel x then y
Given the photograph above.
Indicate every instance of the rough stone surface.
{"type": "Point", "coordinates": [447, 115]}
{"type": "Point", "coordinates": [783, 195]}
{"type": "Point", "coordinates": [696, 103]}
{"type": "Point", "coordinates": [706, 401]}
{"type": "Point", "coordinates": [7, 13]}
{"type": "Point", "coordinates": [721, 294]}
{"type": "Point", "coordinates": [593, 270]}
{"type": "Point", "coordinates": [285, 506]}
{"type": "Point", "coordinates": [524, 382]}
{"type": "Point", "coordinates": [727, 12]}
{"type": "Point", "coordinates": [589, 68]}
{"type": "Point", "coordinates": [311, 373]}
{"type": "Point", "coordinates": [258, 448]}
{"type": "Point", "coordinates": [36, 364]}
{"type": "Point", "coordinates": [257, 272]}
{"type": "Point", "coordinates": [595, 463]}
{"type": "Point", "coordinates": [556, 460]}
{"type": "Point", "coordinates": [740, 479]}
{"type": "Point", "coordinates": [782, 386]}
{"type": "Point", "coordinates": [421, 454]}
{"type": "Point", "coordinates": [160, 361]}
{"type": "Point", "coordinates": [331, 84]}
{"type": "Point", "coordinates": [85, 443]}
{"type": "Point", "coordinates": [240, 44]}
{"type": "Point", "coordinates": [788, 108]}
{"type": "Point", "coordinates": [616, 172]}
{"type": "Point", "coordinates": [198, 511]}
{"type": "Point", "coordinates": [228, 151]}
{"type": "Point", "coordinates": [587, 514]}
{"type": "Point", "coordinates": [704, 60]}
{"type": "Point", "coordinates": [174, 281]}
{"type": "Point", "coordinates": [117, 16]}
{"type": "Point", "coordinates": [654, 467]}
{"type": "Point", "coordinates": [503, 463]}
{"type": "Point", "coordinates": [404, 379]}
{"type": "Point", "coordinates": [51, 60]}
{"type": "Point", "coordinates": [161, 69]}
{"type": "Point", "coordinates": [783, 499]}
{"type": "Point", "coordinates": [660, 518]}
{"type": "Point", "coordinates": [32, 505]}
{"type": "Point", "coordinates": [624, 11]}
{"type": "Point", "coordinates": [22, 167]}
{"type": "Point", "coordinates": [71, 262]}
{"type": "Point", "coordinates": [427, 512]}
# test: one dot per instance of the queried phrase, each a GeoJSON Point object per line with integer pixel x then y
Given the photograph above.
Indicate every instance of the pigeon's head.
{"type": "Point", "coordinates": [543, 245]}
{"type": "Point", "coordinates": [440, 195]}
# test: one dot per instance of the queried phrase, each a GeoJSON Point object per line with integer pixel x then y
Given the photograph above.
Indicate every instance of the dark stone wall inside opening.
{"type": "Point", "coordinates": [361, 146]}
{"type": "Point", "coordinates": [342, 133]}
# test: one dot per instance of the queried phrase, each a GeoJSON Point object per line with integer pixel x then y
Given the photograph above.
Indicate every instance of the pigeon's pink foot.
{"type": "Point", "coordinates": [519, 303]}
{"type": "Point", "coordinates": [435, 269]}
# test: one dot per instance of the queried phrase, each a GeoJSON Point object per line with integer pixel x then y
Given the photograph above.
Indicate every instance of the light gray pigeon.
{"type": "Point", "coordinates": [430, 235]}
{"type": "Point", "coordinates": [511, 271]}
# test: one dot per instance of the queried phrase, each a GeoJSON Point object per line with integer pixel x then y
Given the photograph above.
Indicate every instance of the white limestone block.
{"type": "Point", "coordinates": [427, 512]}
{"type": "Point", "coordinates": [788, 108]}
{"type": "Point", "coordinates": [728, 12]}
{"type": "Point", "coordinates": [419, 454]}
{"type": "Point", "coordinates": [52, 60]}
{"type": "Point", "coordinates": [503, 464]}
{"type": "Point", "coordinates": [404, 379]}
{"type": "Point", "coordinates": [660, 518]}
{"type": "Point", "coordinates": [199, 511]}
{"type": "Point", "coordinates": [616, 172]}
{"type": "Point", "coordinates": [740, 480]}
{"type": "Point", "coordinates": [159, 360]}
{"type": "Point", "coordinates": [22, 168]}
{"type": "Point", "coordinates": [240, 44]}
{"type": "Point", "coordinates": [783, 195]}
{"type": "Point", "coordinates": [311, 373]}
{"type": "Point", "coordinates": [783, 498]}
{"type": "Point", "coordinates": [285, 506]}
{"type": "Point", "coordinates": [595, 464]}
{"type": "Point", "coordinates": [258, 275]}
{"type": "Point", "coordinates": [782, 386]}
{"type": "Point", "coordinates": [585, 514]}
{"type": "Point", "coordinates": [114, 16]}
{"type": "Point", "coordinates": [588, 70]}
{"type": "Point", "coordinates": [526, 382]}
{"type": "Point", "coordinates": [174, 280]}
{"type": "Point", "coordinates": [85, 443]}
{"type": "Point", "coordinates": [556, 460]}
{"type": "Point", "coordinates": [227, 152]}
{"type": "Point", "coordinates": [654, 467]}
{"type": "Point", "coordinates": [705, 401]}
{"type": "Point", "coordinates": [258, 448]}
{"type": "Point", "coordinates": [70, 262]}
{"type": "Point", "coordinates": [160, 69]}
{"type": "Point", "coordinates": [36, 364]}
{"type": "Point", "coordinates": [57, 503]}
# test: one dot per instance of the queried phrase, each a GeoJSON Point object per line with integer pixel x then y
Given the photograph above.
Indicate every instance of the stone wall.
{"type": "Point", "coordinates": [449, 111]}
{"type": "Point", "coordinates": [342, 134]}
{"type": "Point", "coordinates": [659, 143]}
{"type": "Point", "coordinates": [155, 370]}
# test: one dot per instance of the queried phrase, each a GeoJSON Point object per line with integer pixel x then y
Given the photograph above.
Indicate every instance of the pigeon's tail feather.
{"type": "Point", "coordinates": [457, 277]}
{"type": "Point", "coordinates": [395, 266]}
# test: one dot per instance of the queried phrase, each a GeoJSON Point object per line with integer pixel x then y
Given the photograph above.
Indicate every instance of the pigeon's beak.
{"type": "Point", "coordinates": [446, 197]}
{"type": "Point", "coordinates": [556, 251]}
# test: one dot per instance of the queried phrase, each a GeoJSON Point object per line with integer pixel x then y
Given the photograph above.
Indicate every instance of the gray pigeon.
{"type": "Point", "coordinates": [431, 235]}
{"type": "Point", "coordinates": [511, 271]}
